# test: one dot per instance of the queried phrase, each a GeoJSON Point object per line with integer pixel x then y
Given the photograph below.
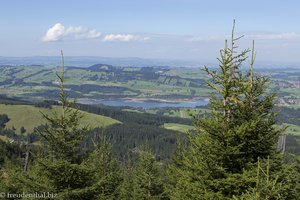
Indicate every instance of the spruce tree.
{"type": "Point", "coordinates": [64, 134]}
{"type": "Point", "coordinates": [59, 168]}
{"type": "Point", "coordinates": [62, 168]}
{"type": "Point", "coordinates": [219, 160]}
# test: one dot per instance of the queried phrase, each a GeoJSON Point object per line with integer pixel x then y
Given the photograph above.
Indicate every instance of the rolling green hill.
{"type": "Point", "coordinates": [30, 117]}
{"type": "Point", "coordinates": [103, 81]}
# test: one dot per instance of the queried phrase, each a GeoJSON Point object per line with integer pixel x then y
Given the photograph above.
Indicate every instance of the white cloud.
{"type": "Point", "coordinates": [275, 36]}
{"type": "Point", "coordinates": [124, 38]}
{"type": "Point", "coordinates": [59, 32]}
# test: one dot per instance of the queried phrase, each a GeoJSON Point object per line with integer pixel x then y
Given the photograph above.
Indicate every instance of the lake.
{"type": "Point", "coordinates": [145, 104]}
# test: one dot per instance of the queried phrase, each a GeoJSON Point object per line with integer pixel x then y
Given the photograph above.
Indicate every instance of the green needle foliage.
{"type": "Point", "coordinates": [106, 172]}
{"type": "Point", "coordinates": [220, 159]}
{"type": "Point", "coordinates": [62, 168]}
{"type": "Point", "coordinates": [64, 135]}
{"type": "Point", "coordinates": [144, 180]}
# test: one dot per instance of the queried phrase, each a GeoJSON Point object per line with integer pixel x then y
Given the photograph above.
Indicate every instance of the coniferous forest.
{"type": "Point", "coordinates": [231, 154]}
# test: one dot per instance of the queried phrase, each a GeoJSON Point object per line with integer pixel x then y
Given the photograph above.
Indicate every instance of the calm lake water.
{"type": "Point", "coordinates": [145, 104]}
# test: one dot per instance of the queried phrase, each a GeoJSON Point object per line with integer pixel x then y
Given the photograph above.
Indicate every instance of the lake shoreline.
{"type": "Point", "coordinates": [157, 100]}
{"type": "Point", "coordinates": [146, 103]}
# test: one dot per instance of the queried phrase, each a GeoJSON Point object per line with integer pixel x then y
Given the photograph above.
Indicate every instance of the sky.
{"type": "Point", "coordinates": [164, 29]}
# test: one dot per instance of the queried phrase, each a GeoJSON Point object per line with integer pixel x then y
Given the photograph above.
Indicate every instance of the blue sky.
{"type": "Point", "coordinates": [171, 29]}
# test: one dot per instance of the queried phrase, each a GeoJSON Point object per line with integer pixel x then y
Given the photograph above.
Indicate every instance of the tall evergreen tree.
{"type": "Point", "coordinates": [62, 168]}
{"type": "Point", "coordinates": [64, 134]}
{"type": "Point", "coordinates": [219, 160]}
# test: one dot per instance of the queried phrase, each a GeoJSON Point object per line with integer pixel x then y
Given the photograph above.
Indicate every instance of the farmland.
{"type": "Point", "coordinates": [103, 81]}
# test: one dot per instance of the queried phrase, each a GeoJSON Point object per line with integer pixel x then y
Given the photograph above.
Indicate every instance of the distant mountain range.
{"type": "Point", "coordinates": [86, 61]}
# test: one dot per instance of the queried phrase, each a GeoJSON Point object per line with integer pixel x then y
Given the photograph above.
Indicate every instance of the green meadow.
{"type": "Point", "coordinates": [30, 117]}
{"type": "Point", "coordinates": [178, 127]}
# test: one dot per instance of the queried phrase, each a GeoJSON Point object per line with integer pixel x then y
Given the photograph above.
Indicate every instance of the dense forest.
{"type": "Point", "coordinates": [231, 154]}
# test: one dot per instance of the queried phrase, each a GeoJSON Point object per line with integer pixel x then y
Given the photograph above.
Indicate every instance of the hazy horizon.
{"type": "Point", "coordinates": [86, 61]}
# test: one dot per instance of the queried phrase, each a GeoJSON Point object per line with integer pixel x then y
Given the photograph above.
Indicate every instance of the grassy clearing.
{"type": "Point", "coordinates": [30, 117]}
{"type": "Point", "coordinates": [182, 113]}
{"type": "Point", "coordinates": [187, 113]}
{"type": "Point", "coordinates": [132, 110]}
{"type": "Point", "coordinates": [292, 129]}
{"type": "Point", "coordinates": [178, 127]}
